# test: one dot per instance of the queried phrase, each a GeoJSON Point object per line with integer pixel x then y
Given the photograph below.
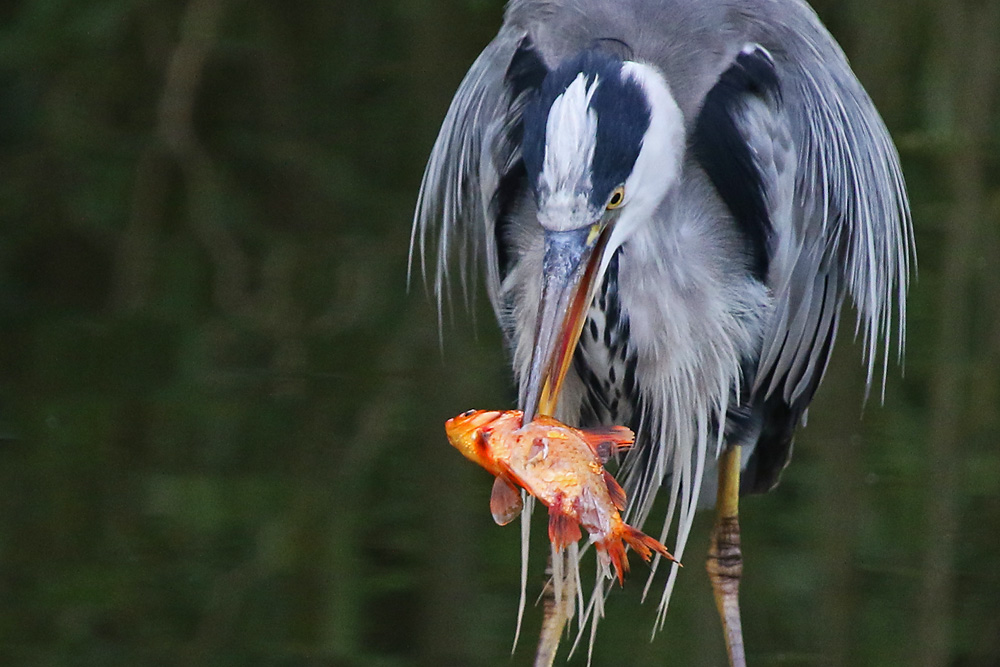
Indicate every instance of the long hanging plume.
{"type": "Point", "coordinates": [853, 232]}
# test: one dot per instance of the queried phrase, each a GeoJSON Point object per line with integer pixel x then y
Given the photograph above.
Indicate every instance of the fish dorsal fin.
{"type": "Point", "coordinates": [616, 491]}
{"type": "Point", "coordinates": [505, 501]}
{"type": "Point", "coordinates": [607, 440]}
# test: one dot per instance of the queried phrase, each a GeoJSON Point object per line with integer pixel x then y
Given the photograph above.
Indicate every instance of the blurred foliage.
{"type": "Point", "coordinates": [220, 410]}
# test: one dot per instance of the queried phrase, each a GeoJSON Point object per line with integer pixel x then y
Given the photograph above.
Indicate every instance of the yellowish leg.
{"type": "Point", "coordinates": [554, 622]}
{"type": "Point", "coordinates": [725, 560]}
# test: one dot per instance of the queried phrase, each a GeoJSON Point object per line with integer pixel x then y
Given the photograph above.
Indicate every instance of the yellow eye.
{"type": "Point", "coordinates": [617, 198]}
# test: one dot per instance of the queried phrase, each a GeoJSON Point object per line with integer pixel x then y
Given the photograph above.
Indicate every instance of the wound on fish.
{"type": "Point", "coordinates": [538, 448]}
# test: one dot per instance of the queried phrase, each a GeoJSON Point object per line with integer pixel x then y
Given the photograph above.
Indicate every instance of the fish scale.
{"type": "Point", "coordinates": [567, 476]}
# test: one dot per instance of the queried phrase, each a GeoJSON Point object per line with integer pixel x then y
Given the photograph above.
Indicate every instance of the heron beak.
{"type": "Point", "coordinates": [569, 280]}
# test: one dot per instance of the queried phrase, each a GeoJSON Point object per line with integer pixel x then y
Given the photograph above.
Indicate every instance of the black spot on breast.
{"type": "Point", "coordinates": [629, 380]}
{"type": "Point", "coordinates": [599, 359]}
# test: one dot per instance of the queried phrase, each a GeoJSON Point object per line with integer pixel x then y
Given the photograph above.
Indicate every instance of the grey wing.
{"type": "Point", "coordinates": [819, 195]}
{"type": "Point", "coordinates": [840, 225]}
{"type": "Point", "coordinates": [455, 207]}
{"type": "Point", "coordinates": [847, 228]}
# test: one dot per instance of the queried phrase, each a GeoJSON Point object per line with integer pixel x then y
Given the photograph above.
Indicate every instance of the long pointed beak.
{"type": "Point", "coordinates": [569, 280]}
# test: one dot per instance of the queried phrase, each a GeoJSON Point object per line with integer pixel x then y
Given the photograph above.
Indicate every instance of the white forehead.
{"type": "Point", "coordinates": [570, 139]}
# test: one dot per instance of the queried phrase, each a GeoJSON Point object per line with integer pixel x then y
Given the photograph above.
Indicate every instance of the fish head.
{"type": "Point", "coordinates": [466, 434]}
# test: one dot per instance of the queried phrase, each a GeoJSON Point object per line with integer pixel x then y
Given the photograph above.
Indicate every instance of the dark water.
{"type": "Point", "coordinates": [220, 410]}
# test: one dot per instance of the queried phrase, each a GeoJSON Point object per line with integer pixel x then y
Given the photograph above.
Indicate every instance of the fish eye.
{"type": "Point", "coordinates": [617, 198]}
{"type": "Point", "coordinates": [468, 413]}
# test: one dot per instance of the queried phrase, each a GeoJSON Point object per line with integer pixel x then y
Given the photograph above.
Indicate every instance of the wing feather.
{"type": "Point", "coordinates": [461, 177]}
{"type": "Point", "coordinates": [848, 230]}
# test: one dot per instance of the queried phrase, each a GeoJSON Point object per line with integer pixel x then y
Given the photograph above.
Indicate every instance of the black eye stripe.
{"type": "Point", "coordinates": [623, 117]}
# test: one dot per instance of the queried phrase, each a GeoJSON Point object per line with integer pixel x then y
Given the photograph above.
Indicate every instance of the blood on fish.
{"type": "Point", "coordinates": [563, 467]}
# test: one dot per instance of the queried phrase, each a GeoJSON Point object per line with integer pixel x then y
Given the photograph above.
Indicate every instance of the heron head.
{"type": "Point", "coordinates": [602, 145]}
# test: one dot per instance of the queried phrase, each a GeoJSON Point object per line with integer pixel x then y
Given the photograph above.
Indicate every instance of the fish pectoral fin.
{"type": "Point", "coordinates": [563, 529]}
{"type": "Point", "coordinates": [616, 491]}
{"type": "Point", "coordinates": [608, 440]}
{"type": "Point", "coordinates": [507, 473]}
{"type": "Point", "coordinates": [505, 501]}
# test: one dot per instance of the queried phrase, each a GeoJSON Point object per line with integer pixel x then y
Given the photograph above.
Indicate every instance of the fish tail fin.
{"type": "Point", "coordinates": [643, 544]}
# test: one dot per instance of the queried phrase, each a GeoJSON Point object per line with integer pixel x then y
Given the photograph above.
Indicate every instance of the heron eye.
{"type": "Point", "coordinates": [617, 198]}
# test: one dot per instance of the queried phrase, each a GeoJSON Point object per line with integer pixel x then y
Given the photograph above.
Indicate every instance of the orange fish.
{"type": "Point", "coordinates": [564, 468]}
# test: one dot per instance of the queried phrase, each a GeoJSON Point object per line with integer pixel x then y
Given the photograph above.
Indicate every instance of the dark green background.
{"type": "Point", "coordinates": [220, 411]}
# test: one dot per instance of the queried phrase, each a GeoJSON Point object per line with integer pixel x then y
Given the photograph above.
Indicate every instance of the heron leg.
{"type": "Point", "coordinates": [725, 559]}
{"type": "Point", "coordinates": [556, 612]}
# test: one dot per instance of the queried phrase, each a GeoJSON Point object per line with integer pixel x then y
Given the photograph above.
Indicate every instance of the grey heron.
{"type": "Point", "coordinates": [669, 201]}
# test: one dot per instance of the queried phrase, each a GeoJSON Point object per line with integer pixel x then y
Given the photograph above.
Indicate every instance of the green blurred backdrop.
{"type": "Point", "coordinates": [220, 410]}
